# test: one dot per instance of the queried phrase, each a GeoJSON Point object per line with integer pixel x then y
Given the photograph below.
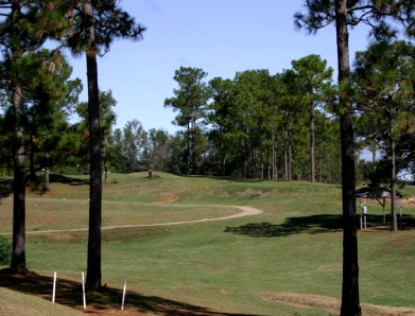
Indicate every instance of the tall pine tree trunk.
{"type": "Point", "coordinates": [194, 142]}
{"type": "Point", "coordinates": [350, 289]}
{"type": "Point", "coordinates": [223, 156]}
{"type": "Point", "coordinates": [393, 187]}
{"type": "Point", "coordinates": [288, 151]}
{"type": "Point", "coordinates": [93, 279]}
{"type": "Point", "coordinates": [274, 158]}
{"type": "Point", "coordinates": [189, 149]}
{"type": "Point", "coordinates": [393, 174]}
{"type": "Point", "coordinates": [18, 260]}
{"type": "Point", "coordinates": [312, 145]}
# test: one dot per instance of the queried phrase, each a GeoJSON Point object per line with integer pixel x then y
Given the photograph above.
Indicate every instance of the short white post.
{"type": "Point", "coordinates": [123, 294]}
{"type": "Point", "coordinates": [364, 211]}
{"type": "Point", "coordinates": [83, 290]}
{"type": "Point", "coordinates": [54, 287]}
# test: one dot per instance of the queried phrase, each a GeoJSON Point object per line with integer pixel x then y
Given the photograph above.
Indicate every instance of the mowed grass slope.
{"type": "Point", "coordinates": [233, 265]}
{"type": "Point", "coordinates": [16, 304]}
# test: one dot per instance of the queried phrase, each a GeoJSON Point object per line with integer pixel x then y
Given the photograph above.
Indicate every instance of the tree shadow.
{"type": "Point", "coordinates": [69, 293]}
{"type": "Point", "coordinates": [54, 177]}
{"type": "Point", "coordinates": [292, 225]}
{"type": "Point", "coordinates": [376, 222]}
{"type": "Point", "coordinates": [315, 224]}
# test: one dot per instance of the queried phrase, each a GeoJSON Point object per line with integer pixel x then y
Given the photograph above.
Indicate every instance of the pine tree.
{"type": "Point", "coordinates": [94, 24]}
{"type": "Point", "coordinates": [345, 13]}
{"type": "Point", "coordinates": [190, 100]}
{"type": "Point", "coordinates": [25, 28]}
{"type": "Point", "coordinates": [313, 78]}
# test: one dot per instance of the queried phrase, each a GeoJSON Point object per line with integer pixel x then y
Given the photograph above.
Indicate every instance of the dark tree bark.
{"type": "Point", "coordinates": [193, 140]}
{"type": "Point", "coordinates": [393, 175]}
{"type": "Point", "coordinates": [274, 158]}
{"type": "Point", "coordinates": [312, 144]}
{"type": "Point", "coordinates": [18, 260]}
{"type": "Point", "coordinates": [93, 279]}
{"type": "Point", "coordinates": [350, 289]}
{"type": "Point", "coordinates": [393, 187]}
{"type": "Point", "coordinates": [288, 152]}
{"type": "Point", "coordinates": [189, 150]}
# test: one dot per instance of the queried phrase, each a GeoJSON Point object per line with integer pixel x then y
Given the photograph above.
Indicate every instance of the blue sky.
{"type": "Point", "coordinates": [220, 36]}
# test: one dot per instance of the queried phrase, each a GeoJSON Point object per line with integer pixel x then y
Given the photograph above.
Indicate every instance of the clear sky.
{"type": "Point", "coordinates": [221, 37]}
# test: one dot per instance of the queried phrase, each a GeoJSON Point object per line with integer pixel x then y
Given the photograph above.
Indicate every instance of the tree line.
{"type": "Point", "coordinates": [280, 126]}
{"type": "Point", "coordinates": [256, 125]}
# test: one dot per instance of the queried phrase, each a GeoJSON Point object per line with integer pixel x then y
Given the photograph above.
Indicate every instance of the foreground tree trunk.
{"type": "Point", "coordinates": [350, 289]}
{"type": "Point", "coordinates": [93, 279]}
{"type": "Point", "coordinates": [18, 260]}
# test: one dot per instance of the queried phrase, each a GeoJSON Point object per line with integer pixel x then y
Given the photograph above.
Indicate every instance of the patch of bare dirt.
{"type": "Point", "coordinates": [332, 305]}
{"type": "Point", "coordinates": [250, 193]}
{"type": "Point", "coordinates": [168, 198]}
{"type": "Point", "coordinates": [408, 200]}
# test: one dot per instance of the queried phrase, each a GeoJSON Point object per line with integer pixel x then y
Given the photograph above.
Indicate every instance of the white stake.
{"type": "Point", "coordinates": [83, 290]}
{"type": "Point", "coordinates": [123, 294]}
{"type": "Point", "coordinates": [54, 287]}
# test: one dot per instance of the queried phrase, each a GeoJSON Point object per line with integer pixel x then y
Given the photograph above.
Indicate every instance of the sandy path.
{"type": "Point", "coordinates": [245, 211]}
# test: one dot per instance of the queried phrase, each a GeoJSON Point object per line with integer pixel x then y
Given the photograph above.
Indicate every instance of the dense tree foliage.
{"type": "Point", "coordinates": [385, 94]}
{"type": "Point", "coordinates": [314, 81]}
{"type": "Point", "coordinates": [259, 128]}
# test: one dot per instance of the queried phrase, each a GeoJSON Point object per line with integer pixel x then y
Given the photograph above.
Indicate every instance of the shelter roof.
{"type": "Point", "coordinates": [376, 192]}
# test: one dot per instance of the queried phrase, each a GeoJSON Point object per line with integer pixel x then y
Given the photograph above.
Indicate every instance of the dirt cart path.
{"type": "Point", "coordinates": [245, 211]}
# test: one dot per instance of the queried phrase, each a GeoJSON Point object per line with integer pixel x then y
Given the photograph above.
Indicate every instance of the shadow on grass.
{"type": "Point", "coordinates": [293, 225]}
{"type": "Point", "coordinates": [315, 224]}
{"type": "Point", "coordinates": [107, 301]}
{"type": "Point", "coordinates": [54, 177]}
{"type": "Point", "coordinates": [405, 222]}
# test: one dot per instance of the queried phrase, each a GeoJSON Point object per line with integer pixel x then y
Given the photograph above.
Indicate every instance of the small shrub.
{"type": "Point", "coordinates": [5, 251]}
{"type": "Point", "coordinates": [40, 185]}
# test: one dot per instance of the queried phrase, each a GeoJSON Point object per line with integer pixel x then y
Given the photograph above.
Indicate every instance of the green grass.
{"type": "Point", "coordinates": [295, 246]}
{"type": "Point", "coordinates": [17, 304]}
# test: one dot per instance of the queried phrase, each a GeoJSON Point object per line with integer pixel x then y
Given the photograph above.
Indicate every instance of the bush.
{"type": "Point", "coordinates": [39, 184]}
{"type": "Point", "coordinates": [5, 251]}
